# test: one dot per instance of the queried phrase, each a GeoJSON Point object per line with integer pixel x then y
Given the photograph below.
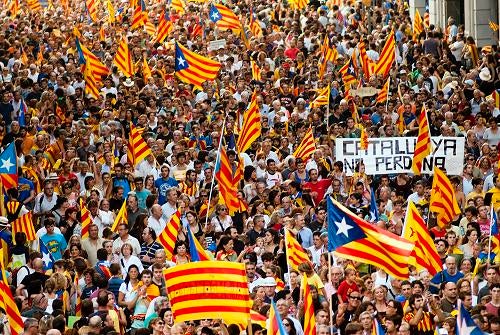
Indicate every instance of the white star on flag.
{"type": "Point", "coordinates": [6, 164]}
{"type": "Point", "coordinates": [343, 227]}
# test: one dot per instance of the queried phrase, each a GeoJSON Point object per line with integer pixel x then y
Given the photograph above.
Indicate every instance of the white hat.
{"type": "Point", "coordinates": [128, 82]}
{"type": "Point", "coordinates": [4, 220]}
{"type": "Point", "coordinates": [268, 282]}
{"type": "Point", "coordinates": [52, 176]}
{"type": "Point", "coordinates": [485, 74]}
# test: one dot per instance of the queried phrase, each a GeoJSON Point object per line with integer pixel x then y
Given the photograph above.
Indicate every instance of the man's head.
{"type": "Point", "coordinates": [450, 291]}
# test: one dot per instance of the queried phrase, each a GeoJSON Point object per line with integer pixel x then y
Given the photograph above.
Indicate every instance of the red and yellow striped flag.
{"type": "Point", "coordinates": [495, 96]}
{"type": "Point", "coordinates": [91, 85]}
{"type": "Point", "coordinates": [14, 8]}
{"type": "Point", "coordinates": [164, 28]}
{"type": "Point", "coordinates": [111, 12]}
{"type": "Point", "coordinates": [329, 54]}
{"type": "Point", "coordinates": [387, 56]}
{"type": "Point", "coordinates": [224, 18]}
{"type": "Point", "coordinates": [322, 99]}
{"type": "Point", "coordinates": [295, 254]}
{"type": "Point", "coordinates": [7, 303]}
{"type": "Point", "coordinates": [423, 145]}
{"type": "Point", "coordinates": [256, 74]}
{"type": "Point", "coordinates": [140, 15]}
{"type": "Point", "coordinates": [254, 25]}
{"type": "Point", "coordinates": [251, 128]}
{"type": "Point", "coordinates": [121, 217]}
{"type": "Point", "coordinates": [401, 121]}
{"type": "Point", "coordinates": [209, 289]}
{"type": "Point", "coordinates": [383, 93]}
{"type": "Point", "coordinates": [179, 6]}
{"type": "Point", "coordinates": [24, 224]}
{"type": "Point", "coordinates": [168, 236]}
{"type": "Point", "coordinates": [123, 59]}
{"type": "Point", "coordinates": [227, 184]}
{"type": "Point", "coordinates": [366, 64]}
{"type": "Point", "coordinates": [150, 28]}
{"type": "Point", "coordinates": [34, 5]}
{"type": "Point", "coordinates": [102, 34]}
{"type": "Point", "coordinates": [86, 219]}
{"type": "Point", "coordinates": [493, 26]}
{"type": "Point", "coordinates": [424, 255]}
{"type": "Point", "coordinates": [92, 9]}
{"type": "Point", "coordinates": [87, 57]}
{"type": "Point", "coordinates": [418, 25]}
{"type": "Point", "coordinates": [138, 149]}
{"type": "Point", "coordinates": [193, 68]}
{"type": "Point", "coordinates": [306, 147]}
{"type": "Point", "coordinates": [443, 201]}
{"type": "Point", "coordinates": [309, 317]}
{"type": "Point", "coordinates": [298, 4]}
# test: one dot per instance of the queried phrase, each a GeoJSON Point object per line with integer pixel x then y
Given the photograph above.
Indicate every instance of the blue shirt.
{"type": "Point", "coordinates": [141, 197]}
{"type": "Point", "coordinates": [123, 182]}
{"type": "Point", "coordinates": [56, 244]}
{"type": "Point", "coordinates": [24, 186]}
{"type": "Point", "coordinates": [444, 277]}
{"type": "Point", "coordinates": [163, 185]}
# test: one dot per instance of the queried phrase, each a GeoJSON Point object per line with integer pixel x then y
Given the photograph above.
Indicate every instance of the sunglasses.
{"type": "Point", "coordinates": [355, 298]}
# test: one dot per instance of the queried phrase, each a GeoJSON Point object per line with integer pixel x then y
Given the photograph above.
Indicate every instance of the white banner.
{"type": "Point", "coordinates": [392, 155]}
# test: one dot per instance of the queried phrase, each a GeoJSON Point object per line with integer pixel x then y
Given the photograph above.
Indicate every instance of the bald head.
{"type": "Point", "coordinates": [38, 264]}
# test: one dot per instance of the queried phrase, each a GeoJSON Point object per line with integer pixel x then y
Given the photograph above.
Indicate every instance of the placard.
{"type": "Point", "coordinates": [216, 45]}
{"type": "Point", "coordinates": [392, 155]}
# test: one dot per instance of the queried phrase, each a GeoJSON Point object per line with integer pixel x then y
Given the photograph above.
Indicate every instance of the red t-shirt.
{"type": "Point", "coordinates": [319, 187]}
{"type": "Point", "coordinates": [345, 289]}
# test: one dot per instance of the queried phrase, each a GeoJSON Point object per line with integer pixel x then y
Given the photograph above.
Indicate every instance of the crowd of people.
{"type": "Point", "coordinates": [72, 146]}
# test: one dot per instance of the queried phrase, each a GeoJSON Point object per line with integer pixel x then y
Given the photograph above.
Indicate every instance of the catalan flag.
{"type": "Point", "coordinates": [47, 258]}
{"type": "Point", "coordinates": [86, 219]}
{"type": "Point", "coordinates": [256, 74]}
{"type": "Point", "coordinates": [165, 27]}
{"type": "Point", "coordinates": [443, 201]}
{"type": "Point", "coordinates": [329, 54]}
{"type": "Point", "coordinates": [493, 26]}
{"type": "Point", "coordinates": [254, 25]}
{"type": "Point", "coordinates": [383, 94]}
{"type": "Point", "coordinates": [85, 56]}
{"type": "Point", "coordinates": [123, 59]}
{"type": "Point", "coordinates": [495, 96]}
{"type": "Point", "coordinates": [196, 251]}
{"type": "Point", "coordinates": [140, 15]}
{"type": "Point", "coordinates": [387, 56]}
{"type": "Point", "coordinates": [224, 18]}
{"type": "Point", "coordinates": [427, 15]}
{"type": "Point", "coordinates": [197, 30]}
{"type": "Point", "coordinates": [121, 217]}
{"type": "Point", "coordinates": [150, 28]}
{"type": "Point", "coordinates": [92, 9]}
{"type": "Point", "coordinates": [179, 6]}
{"type": "Point", "coordinates": [7, 303]}
{"type": "Point", "coordinates": [423, 146]}
{"type": "Point", "coordinates": [146, 71]}
{"type": "Point", "coordinates": [91, 85]}
{"type": "Point", "coordinates": [193, 68]}
{"type": "Point", "coordinates": [8, 167]}
{"type": "Point", "coordinates": [323, 98]}
{"type": "Point", "coordinates": [355, 239]}
{"type": "Point", "coordinates": [138, 149]}
{"type": "Point", "coordinates": [251, 129]}
{"type": "Point", "coordinates": [401, 122]}
{"type": "Point", "coordinates": [424, 254]}
{"type": "Point", "coordinates": [418, 25]}
{"type": "Point", "coordinates": [309, 318]}
{"type": "Point", "coordinates": [209, 290]}
{"type": "Point", "coordinates": [366, 64]}
{"type": "Point", "coordinates": [34, 5]}
{"type": "Point", "coordinates": [275, 325]}
{"type": "Point", "coordinates": [377, 328]}
{"type": "Point", "coordinates": [168, 236]}
{"type": "Point", "coordinates": [294, 252]}
{"type": "Point", "coordinates": [348, 71]}
{"type": "Point", "coordinates": [227, 187]}
{"type": "Point", "coordinates": [306, 146]}
{"type": "Point", "coordinates": [363, 144]}
{"type": "Point", "coordinates": [14, 8]}
{"type": "Point", "coordinates": [24, 224]}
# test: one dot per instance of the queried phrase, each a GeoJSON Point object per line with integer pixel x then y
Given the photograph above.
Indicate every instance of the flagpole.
{"type": "Point", "coordinates": [387, 99]}
{"type": "Point", "coordinates": [489, 239]}
{"type": "Point", "coordinates": [287, 263]}
{"type": "Point", "coordinates": [330, 312]}
{"type": "Point", "coordinates": [217, 159]}
{"type": "Point", "coordinates": [328, 110]}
